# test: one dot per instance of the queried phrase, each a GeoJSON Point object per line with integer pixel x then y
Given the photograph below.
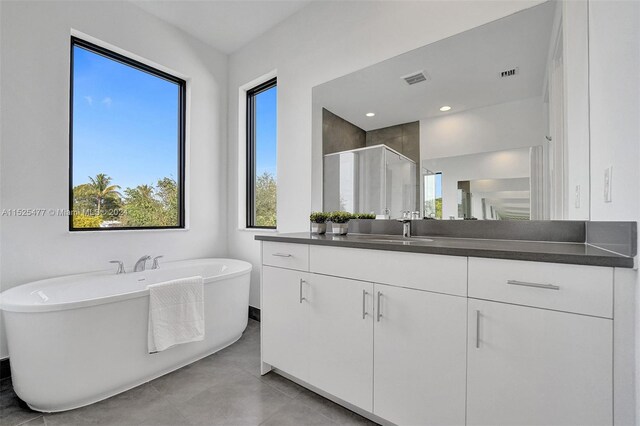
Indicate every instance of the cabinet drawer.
{"type": "Point", "coordinates": [442, 274]}
{"type": "Point", "coordinates": [571, 288]}
{"type": "Point", "coordinates": [286, 255]}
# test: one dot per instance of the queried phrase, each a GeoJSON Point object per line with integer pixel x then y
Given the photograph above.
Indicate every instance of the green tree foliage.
{"type": "Point", "coordinates": [105, 194]}
{"type": "Point", "coordinates": [439, 208]}
{"type": "Point", "coordinates": [142, 206]}
{"type": "Point", "coordinates": [97, 198]}
{"type": "Point", "coordinates": [167, 193]}
{"type": "Point", "coordinates": [265, 200]}
{"type": "Point", "coordinates": [84, 221]}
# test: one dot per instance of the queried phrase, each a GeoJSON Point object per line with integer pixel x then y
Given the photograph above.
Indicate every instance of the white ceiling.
{"type": "Point", "coordinates": [463, 69]}
{"type": "Point", "coordinates": [225, 25]}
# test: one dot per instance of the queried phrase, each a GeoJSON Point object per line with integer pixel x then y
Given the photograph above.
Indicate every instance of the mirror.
{"type": "Point", "coordinates": [475, 126]}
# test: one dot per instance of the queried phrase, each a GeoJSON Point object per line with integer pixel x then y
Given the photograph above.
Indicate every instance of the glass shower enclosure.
{"type": "Point", "coordinates": [375, 179]}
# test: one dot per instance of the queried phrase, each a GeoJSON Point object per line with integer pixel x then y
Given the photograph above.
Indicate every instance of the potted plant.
{"type": "Point", "coordinates": [364, 216]}
{"type": "Point", "coordinates": [318, 222]}
{"type": "Point", "coordinates": [339, 222]}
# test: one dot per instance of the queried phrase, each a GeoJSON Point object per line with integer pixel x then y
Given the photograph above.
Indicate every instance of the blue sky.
{"type": "Point", "coordinates": [125, 122]}
{"type": "Point", "coordinates": [266, 114]}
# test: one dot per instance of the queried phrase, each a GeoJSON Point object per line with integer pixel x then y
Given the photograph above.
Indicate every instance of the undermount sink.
{"type": "Point", "coordinates": [403, 241]}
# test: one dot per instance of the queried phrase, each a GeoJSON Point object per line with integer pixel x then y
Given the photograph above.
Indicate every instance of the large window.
{"type": "Point", "coordinates": [126, 143]}
{"type": "Point", "coordinates": [261, 155]}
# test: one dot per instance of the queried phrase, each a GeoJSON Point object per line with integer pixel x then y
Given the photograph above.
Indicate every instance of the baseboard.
{"type": "Point", "coordinates": [254, 313]}
{"type": "Point", "coordinates": [5, 368]}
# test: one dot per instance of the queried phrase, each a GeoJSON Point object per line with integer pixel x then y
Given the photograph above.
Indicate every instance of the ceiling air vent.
{"type": "Point", "coordinates": [510, 73]}
{"type": "Point", "coordinates": [415, 77]}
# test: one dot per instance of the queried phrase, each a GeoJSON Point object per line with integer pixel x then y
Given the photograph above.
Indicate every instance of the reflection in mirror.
{"type": "Point", "coordinates": [371, 179]}
{"type": "Point", "coordinates": [470, 127]}
{"type": "Point", "coordinates": [495, 199]}
{"type": "Point", "coordinates": [456, 187]}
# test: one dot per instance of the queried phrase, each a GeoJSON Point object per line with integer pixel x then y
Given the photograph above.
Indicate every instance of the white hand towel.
{"type": "Point", "coordinates": [176, 313]}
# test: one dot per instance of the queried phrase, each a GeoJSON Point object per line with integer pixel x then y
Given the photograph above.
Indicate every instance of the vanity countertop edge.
{"type": "Point", "coordinates": [533, 251]}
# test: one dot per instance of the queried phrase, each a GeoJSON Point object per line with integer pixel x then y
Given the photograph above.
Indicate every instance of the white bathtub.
{"type": "Point", "coordinates": [78, 339]}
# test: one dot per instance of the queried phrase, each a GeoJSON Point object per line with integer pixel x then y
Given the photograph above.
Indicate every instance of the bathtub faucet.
{"type": "Point", "coordinates": [141, 264]}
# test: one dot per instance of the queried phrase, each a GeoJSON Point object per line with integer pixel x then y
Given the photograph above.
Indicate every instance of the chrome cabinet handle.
{"type": "Point", "coordinates": [477, 329]}
{"type": "Point", "coordinates": [301, 282]}
{"type": "Point", "coordinates": [536, 285]}
{"type": "Point", "coordinates": [364, 303]}
{"type": "Point", "coordinates": [379, 314]}
{"type": "Point", "coordinates": [282, 254]}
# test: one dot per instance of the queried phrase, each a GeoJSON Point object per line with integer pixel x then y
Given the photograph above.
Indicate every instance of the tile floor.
{"type": "Point", "coordinates": [223, 389]}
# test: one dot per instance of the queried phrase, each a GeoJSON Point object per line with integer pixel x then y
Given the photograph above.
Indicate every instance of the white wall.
{"type": "Point", "coordinates": [323, 41]}
{"type": "Point", "coordinates": [509, 125]}
{"type": "Point", "coordinates": [35, 139]}
{"type": "Point", "coordinates": [614, 67]}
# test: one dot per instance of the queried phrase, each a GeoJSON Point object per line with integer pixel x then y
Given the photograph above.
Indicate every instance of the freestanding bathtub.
{"type": "Point", "coordinates": [78, 339]}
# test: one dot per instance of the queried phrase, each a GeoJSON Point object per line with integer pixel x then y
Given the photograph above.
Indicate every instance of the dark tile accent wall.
{"type": "Point", "coordinates": [404, 138]}
{"type": "Point", "coordinates": [619, 237]}
{"type": "Point", "coordinates": [370, 226]}
{"type": "Point", "coordinates": [340, 135]}
{"type": "Point", "coordinates": [557, 231]}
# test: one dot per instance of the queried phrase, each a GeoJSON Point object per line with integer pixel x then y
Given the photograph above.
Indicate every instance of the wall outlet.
{"type": "Point", "coordinates": [608, 179]}
{"type": "Point", "coordinates": [577, 200]}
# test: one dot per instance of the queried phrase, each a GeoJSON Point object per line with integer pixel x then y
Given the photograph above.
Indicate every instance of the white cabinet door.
{"type": "Point", "coordinates": [530, 366]}
{"type": "Point", "coordinates": [340, 338]}
{"type": "Point", "coordinates": [420, 357]}
{"type": "Point", "coordinates": [283, 320]}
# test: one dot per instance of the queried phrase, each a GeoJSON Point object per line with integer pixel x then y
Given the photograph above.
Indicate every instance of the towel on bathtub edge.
{"type": "Point", "coordinates": [176, 313]}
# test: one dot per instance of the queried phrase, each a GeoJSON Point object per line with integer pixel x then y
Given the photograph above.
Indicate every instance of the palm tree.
{"type": "Point", "coordinates": [102, 189]}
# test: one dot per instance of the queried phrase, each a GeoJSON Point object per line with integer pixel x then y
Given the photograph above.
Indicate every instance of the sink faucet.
{"type": "Point", "coordinates": [141, 264]}
{"type": "Point", "coordinates": [156, 264]}
{"type": "Point", "coordinates": [120, 266]}
{"type": "Point", "coordinates": [406, 227]}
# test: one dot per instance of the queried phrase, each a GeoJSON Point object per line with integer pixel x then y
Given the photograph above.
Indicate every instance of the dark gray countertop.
{"type": "Point", "coordinates": [536, 251]}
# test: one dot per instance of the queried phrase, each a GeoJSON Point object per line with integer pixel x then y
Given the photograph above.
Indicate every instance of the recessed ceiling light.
{"type": "Point", "coordinates": [445, 108]}
{"type": "Point", "coordinates": [370, 114]}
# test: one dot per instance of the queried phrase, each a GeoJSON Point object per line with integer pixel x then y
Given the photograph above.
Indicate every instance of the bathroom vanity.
{"type": "Point", "coordinates": [452, 330]}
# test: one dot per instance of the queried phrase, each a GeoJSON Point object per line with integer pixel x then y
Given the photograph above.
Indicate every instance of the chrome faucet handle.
{"type": "Point", "coordinates": [156, 264]}
{"type": "Point", "coordinates": [120, 266]}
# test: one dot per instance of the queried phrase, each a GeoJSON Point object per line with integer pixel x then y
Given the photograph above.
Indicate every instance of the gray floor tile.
{"type": "Point", "coordinates": [12, 410]}
{"type": "Point", "coordinates": [183, 384]}
{"type": "Point", "coordinates": [165, 416]}
{"type": "Point", "coordinates": [222, 389]}
{"type": "Point", "coordinates": [253, 326]}
{"type": "Point", "coordinates": [245, 401]}
{"type": "Point", "coordinates": [330, 409]}
{"type": "Point", "coordinates": [285, 386]}
{"type": "Point", "coordinates": [38, 421]}
{"type": "Point", "coordinates": [296, 413]}
{"type": "Point", "coordinates": [127, 408]}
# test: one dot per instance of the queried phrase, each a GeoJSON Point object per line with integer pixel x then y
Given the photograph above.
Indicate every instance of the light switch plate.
{"type": "Point", "coordinates": [608, 178]}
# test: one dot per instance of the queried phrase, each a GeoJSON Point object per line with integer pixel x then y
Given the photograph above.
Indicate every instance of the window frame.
{"type": "Point", "coordinates": [251, 152]}
{"type": "Point", "coordinates": [182, 86]}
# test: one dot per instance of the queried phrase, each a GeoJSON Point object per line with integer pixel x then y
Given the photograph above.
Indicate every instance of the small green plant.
{"type": "Point", "coordinates": [364, 216]}
{"type": "Point", "coordinates": [318, 217]}
{"type": "Point", "coordinates": [340, 217]}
